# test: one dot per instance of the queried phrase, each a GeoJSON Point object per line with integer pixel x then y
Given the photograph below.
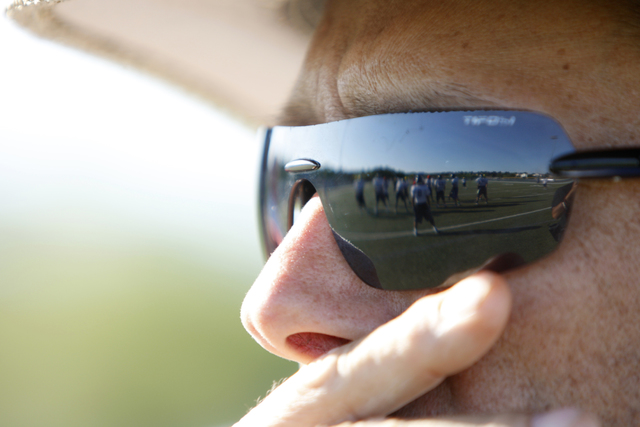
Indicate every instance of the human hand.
{"type": "Point", "coordinates": [438, 336]}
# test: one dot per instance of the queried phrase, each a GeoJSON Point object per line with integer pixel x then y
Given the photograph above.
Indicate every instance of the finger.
{"type": "Point", "coordinates": [567, 417]}
{"type": "Point", "coordinates": [439, 335]}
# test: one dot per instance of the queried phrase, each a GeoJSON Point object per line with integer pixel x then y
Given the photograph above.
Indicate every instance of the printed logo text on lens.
{"type": "Point", "coordinates": [489, 121]}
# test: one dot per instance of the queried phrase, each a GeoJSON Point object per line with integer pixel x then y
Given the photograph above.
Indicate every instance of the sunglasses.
{"type": "Point", "coordinates": [415, 199]}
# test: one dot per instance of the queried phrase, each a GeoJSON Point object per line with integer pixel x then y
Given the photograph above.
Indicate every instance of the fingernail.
{"type": "Point", "coordinates": [464, 298]}
{"type": "Point", "coordinates": [567, 417]}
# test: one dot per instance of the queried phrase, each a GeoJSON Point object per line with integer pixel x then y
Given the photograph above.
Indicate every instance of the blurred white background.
{"type": "Point", "coordinates": [128, 236]}
{"type": "Point", "coordinates": [118, 149]}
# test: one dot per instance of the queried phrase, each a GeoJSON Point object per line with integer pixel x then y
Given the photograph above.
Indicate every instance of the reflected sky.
{"type": "Point", "coordinates": [512, 141]}
{"type": "Point", "coordinates": [442, 142]}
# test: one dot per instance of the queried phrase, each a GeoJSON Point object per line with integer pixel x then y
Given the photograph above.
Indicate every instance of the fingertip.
{"type": "Point", "coordinates": [494, 312]}
{"type": "Point", "coordinates": [473, 315]}
{"type": "Point", "coordinates": [497, 304]}
{"type": "Point", "coordinates": [485, 294]}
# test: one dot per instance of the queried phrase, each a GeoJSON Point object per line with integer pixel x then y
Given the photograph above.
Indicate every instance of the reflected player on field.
{"type": "Point", "coordinates": [359, 186]}
{"type": "Point", "coordinates": [385, 190]}
{"type": "Point", "coordinates": [420, 193]}
{"type": "Point", "coordinates": [440, 184]}
{"type": "Point", "coordinates": [378, 188]}
{"type": "Point", "coordinates": [401, 192]}
{"type": "Point", "coordinates": [453, 194]}
{"type": "Point", "coordinates": [482, 182]}
{"type": "Point", "coordinates": [429, 183]}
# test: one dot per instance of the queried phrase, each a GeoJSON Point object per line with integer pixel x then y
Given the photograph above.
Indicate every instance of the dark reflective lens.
{"type": "Point", "coordinates": [471, 185]}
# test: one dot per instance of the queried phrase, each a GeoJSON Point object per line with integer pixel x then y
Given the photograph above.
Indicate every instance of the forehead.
{"type": "Point", "coordinates": [372, 56]}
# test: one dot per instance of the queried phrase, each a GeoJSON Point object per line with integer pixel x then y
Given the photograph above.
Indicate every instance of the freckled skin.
{"type": "Point", "coordinates": [573, 337]}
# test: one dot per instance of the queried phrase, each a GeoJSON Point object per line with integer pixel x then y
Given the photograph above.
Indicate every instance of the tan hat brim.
{"type": "Point", "coordinates": [243, 55]}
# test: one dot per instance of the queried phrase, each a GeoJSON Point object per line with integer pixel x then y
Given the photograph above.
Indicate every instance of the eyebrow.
{"type": "Point", "coordinates": [300, 114]}
{"type": "Point", "coordinates": [440, 97]}
{"type": "Point", "coordinates": [449, 97]}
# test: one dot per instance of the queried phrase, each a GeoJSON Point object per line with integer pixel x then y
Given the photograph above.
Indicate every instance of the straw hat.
{"type": "Point", "coordinates": [243, 55]}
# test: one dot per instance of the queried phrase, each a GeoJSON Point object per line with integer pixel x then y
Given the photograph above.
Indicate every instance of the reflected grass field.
{"type": "Point", "coordinates": [122, 336]}
{"type": "Point", "coordinates": [516, 219]}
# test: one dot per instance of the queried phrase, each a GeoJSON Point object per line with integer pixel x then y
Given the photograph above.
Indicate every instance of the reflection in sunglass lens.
{"type": "Point", "coordinates": [414, 199]}
{"type": "Point", "coordinates": [301, 193]}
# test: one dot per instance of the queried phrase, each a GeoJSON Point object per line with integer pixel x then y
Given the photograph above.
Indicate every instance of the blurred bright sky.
{"type": "Point", "coordinates": [91, 151]}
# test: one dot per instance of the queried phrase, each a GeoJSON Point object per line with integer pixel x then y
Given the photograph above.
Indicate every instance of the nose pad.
{"type": "Point", "coordinates": [301, 192]}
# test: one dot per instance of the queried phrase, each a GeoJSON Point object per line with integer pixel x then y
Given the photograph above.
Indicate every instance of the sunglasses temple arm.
{"type": "Point", "coordinates": [598, 164]}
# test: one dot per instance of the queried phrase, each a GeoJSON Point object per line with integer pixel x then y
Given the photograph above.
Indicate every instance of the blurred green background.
{"type": "Point", "coordinates": [138, 335]}
{"type": "Point", "coordinates": [128, 239]}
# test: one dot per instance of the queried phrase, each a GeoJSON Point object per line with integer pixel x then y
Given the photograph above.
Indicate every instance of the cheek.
{"type": "Point", "coordinates": [535, 353]}
{"type": "Point", "coordinates": [571, 341]}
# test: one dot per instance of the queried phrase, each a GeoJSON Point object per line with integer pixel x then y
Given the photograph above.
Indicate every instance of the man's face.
{"type": "Point", "coordinates": [572, 336]}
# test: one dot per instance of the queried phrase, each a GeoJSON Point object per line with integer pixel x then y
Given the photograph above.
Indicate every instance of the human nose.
{"type": "Point", "coordinates": [307, 300]}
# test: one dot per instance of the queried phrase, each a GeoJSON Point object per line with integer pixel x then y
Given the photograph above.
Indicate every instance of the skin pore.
{"type": "Point", "coordinates": [572, 336]}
